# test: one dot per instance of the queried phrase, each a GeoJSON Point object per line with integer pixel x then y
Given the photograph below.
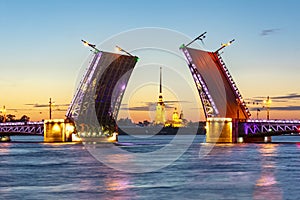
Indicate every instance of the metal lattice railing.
{"type": "Point", "coordinates": [22, 128]}
{"type": "Point", "coordinates": [270, 127]}
{"type": "Point", "coordinates": [233, 85]}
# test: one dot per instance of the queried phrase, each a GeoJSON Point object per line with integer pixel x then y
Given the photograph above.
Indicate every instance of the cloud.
{"type": "Point", "coordinates": [144, 108]}
{"type": "Point", "coordinates": [289, 96]}
{"type": "Point", "coordinates": [148, 106]}
{"type": "Point", "coordinates": [138, 108]}
{"type": "Point", "coordinates": [286, 108]}
{"type": "Point", "coordinates": [175, 101]}
{"type": "Point", "coordinates": [166, 102]}
{"type": "Point", "coordinates": [36, 105]}
{"type": "Point", "coordinates": [151, 106]}
{"type": "Point", "coordinates": [261, 101]}
{"type": "Point", "coordinates": [254, 100]}
{"type": "Point", "coordinates": [61, 110]}
{"type": "Point", "coordinates": [278, 108]}
{"type": "Point", "coordinates": [283, 98]}
{"type": "Point", "coordinates": [18, 109]}
{"type": "Point", "coordinates": [267, 32]}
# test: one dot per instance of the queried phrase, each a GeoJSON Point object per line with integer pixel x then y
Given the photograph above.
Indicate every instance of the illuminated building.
{"type": "Point", "coordinates": [160, 107]}
{"type": "Point", "coordinates": [177, 119]}
{"type": "Point", "coordinates": [160, 117]}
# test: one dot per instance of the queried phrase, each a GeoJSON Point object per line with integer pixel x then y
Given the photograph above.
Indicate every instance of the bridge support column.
{"type": "Point", "coordinates": [58, 130]}
{"type": "Point", "coordinates": [221, 130]}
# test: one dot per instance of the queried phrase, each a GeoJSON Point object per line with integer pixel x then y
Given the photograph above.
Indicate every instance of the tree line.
{"type": "Point", "coordinates": [12, 118]}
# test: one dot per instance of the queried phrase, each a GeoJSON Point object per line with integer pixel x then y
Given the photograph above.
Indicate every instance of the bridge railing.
{"type": "Point", "coordinates": [269, 127]}
{"type": "Point", "coordinates": [21, 123]}
{"type": "Point", "coordinates": [22, 128]}
{"type": "Point", "coordinates": [274, 121]}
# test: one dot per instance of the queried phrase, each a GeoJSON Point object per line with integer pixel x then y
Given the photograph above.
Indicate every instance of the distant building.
{"type": "Point", "coordinates": [177, 119]}
{"type": "Point", "coordinates": [160, 117]}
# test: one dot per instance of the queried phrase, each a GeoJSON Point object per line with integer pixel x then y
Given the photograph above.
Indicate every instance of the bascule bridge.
{"type": "Point", "coordinates": [227, 116]}
{"type": "Point", "coordinates": [95, 105]}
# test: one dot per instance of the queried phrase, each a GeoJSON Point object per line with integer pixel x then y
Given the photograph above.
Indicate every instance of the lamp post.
{"type": "Point", "coordinates": [200, 37]}
{"type": "Point", "coordinates": [268, 103]}
{"type": "Point", "coordinates": [50, 108]}
{"type": "Point", "coordinates": [257, 111]}
{"type": "Point", "coordinates": [238, 109]}
{"type": "Point", "coordinates": [93, 46]}
{"type": "Point", "coordinates": [225, 45]}
{"type": "Point", "coordinates": [123, 50]}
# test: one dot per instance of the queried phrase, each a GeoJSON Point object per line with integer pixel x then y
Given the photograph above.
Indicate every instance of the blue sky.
{"type": "Point", "coordinates": [41, 54]}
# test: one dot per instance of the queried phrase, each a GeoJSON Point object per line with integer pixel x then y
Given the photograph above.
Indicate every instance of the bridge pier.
{"type": "Point", "coordinates": [226, 130]}
{"type": "Point", "coordinates": [58, 130]}
{"type": "Point", "coordinates": [221, 130]}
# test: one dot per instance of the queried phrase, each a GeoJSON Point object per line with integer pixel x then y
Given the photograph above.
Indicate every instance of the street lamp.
{"type": "Point", "coordinates": [225, 45]}
{"type": "Point", "coordinates": [200, 37]}
{"type": "Point", "coordinates": [50, 108]}
{"type": "Point", "coordinates": [268, 103]}
{"type": "Point", "coordinates": [93, 46]}
{"type": "Point", "coordinates": [123, 50]}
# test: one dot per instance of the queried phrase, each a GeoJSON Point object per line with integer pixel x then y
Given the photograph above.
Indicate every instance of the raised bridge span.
{"type": "Point", "coordinates": [227, 116]}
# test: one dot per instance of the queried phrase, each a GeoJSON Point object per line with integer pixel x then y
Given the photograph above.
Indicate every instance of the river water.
{"type": "Point", "coordinates": [34, 170]}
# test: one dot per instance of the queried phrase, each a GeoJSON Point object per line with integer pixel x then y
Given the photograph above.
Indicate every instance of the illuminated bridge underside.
{"type": "Point", "coordinates": [22, 128]}
{"type": "Point", "coordinates": [96, 103]}
{"type": "Point", "coordinates": [218, 92]}
{"type": "Point", "coordinates": [268, 127]}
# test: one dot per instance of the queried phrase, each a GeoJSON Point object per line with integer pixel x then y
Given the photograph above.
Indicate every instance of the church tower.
{"type": "Point", "coordinates": [160, 107]}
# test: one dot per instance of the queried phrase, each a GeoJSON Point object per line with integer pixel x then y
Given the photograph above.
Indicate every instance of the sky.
{"type": "Point", "coordinates": [41, 55]}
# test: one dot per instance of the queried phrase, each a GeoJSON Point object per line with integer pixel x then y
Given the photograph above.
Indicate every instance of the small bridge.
{"type": "Point", "coordinates": [22, 128]}
{"type": "Point", "coordinates": [253, 128]}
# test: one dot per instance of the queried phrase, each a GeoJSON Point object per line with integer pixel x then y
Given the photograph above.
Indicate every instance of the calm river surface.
{"type": "Point", "coordinates": [36, 170]}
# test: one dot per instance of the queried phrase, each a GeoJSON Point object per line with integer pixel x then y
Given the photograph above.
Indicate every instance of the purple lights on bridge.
{"type": "Point", "coordinates": [21, 123]}
{"type": "Point", "coordinates": [207, 101]}
{"type": "Point", "coordinates": [22, 128]}
{"type": "Point", "coordinates": [270, 127]}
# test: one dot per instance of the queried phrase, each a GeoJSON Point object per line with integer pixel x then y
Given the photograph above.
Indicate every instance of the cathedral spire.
{"type": "Point", "coordinates": [160, 97]}
{"type": "Point", "coordinates": [160, 84]}
{"type": "Point", "coordinates": [160, 107]}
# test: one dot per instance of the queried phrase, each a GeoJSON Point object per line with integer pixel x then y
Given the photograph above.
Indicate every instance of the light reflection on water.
{"type": "Point", "coordinates": [229, 171]}
{"type": "Point", "coordinates": [267, 185]}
